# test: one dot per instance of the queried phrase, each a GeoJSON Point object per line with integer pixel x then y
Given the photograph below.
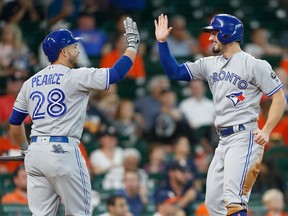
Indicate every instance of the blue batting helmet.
{"type": "Point", "coordinates": [230, 28]}
{"type": "Point", "coordinates": [57, 40]}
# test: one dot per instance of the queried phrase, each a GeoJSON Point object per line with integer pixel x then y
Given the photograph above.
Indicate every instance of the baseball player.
{"type": "Point", "coordinates": [237, 81]}
{"type": "Point", "coordinates": [56, 99]}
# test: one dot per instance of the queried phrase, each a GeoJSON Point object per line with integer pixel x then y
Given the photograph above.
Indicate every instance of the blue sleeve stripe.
{"type": "Point", "coordinates": [20, 110]}
{"type": "Point", "coordinates": [189, 72]}
{"type": "Point", "coordinates": [275, 90]}
{"type": "Point", "coordinates": [120, 69]}
{"type": "Point", "coordinates": [107, 79]}
{"type": "Point", "coordinates": [17, 117]}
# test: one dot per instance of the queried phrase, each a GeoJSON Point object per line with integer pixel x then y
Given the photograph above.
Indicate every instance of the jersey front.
{"type": "Point", "coordinates": [236, 84]}
{"type": "Point", "coordinates": [56, 99]}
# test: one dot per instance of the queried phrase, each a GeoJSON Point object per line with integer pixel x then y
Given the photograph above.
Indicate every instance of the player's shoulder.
{"type": "Point", "coordinates": [251, 59]}
{"type": "Point", "coordinates": [83, 69]}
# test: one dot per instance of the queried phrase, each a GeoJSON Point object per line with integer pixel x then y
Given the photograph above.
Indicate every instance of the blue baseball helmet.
{"type": "Point", "coordinates": [230, 28]}
{"type": "Point", "coordinates": [56, 41]}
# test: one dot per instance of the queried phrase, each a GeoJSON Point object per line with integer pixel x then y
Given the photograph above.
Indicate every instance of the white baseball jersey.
{"type": "Point", "coordinates": [49, 98]}
{"type": "Point", "coordinates": [237, 84]}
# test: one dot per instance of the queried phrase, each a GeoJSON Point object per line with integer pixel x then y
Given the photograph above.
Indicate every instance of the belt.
{"type": "Point", "coordinates": [226, 131]}
{"type": "Point", "coordinates": [63, 139]}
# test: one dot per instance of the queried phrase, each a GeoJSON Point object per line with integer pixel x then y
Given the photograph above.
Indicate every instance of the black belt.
{"type": "Point", "coordinates": [226, 131]}
{"type": "Point", "coordinates": [63, 139]}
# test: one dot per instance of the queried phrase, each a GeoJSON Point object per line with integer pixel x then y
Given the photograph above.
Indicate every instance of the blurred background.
{"type": "Point", "coordinates": [147, 141]}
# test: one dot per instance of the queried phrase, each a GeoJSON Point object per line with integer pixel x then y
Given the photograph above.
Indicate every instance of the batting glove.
{"type": "Point", "coordinates": [131, 34]}
{"type": "Point", "coordinates": [24, 148]}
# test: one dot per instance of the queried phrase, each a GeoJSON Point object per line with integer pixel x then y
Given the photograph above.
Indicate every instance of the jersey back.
{"type": "Point", "coordinates": [56, 99]}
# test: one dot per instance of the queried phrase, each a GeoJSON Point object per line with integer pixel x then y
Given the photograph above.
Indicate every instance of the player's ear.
{"type": "Point", "coordinates": [63, 51]}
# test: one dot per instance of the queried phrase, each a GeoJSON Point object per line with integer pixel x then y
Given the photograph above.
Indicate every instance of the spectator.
{"type": "Point", "coordinates": [270, 176]}
{"type": "Point", "coordinates": [180, 41]}
{"type": "Point", "coordinates": [61, 11]}
{"type": "Point", "coordinates": [107, 102]}
{"type": "Point", "coordinates": [14, 84]}
{"type": "Point", "coordinates": [131, 162]}
{"type": "Point", "coordinates": [182, 154]}
{"type": "Point", "coordinates": [107, 60]}
{"type": "Point", "coordinates": [133, 8]}
{"type": "Point", "coordinates": [15, 55]}
{"type": "Point", "coordinates": [273, 200]}
{"type": "Point", "coordinates": [134, 192]}
{"type": "Point", "coordinates": [180, 183]}
{"type": "Point", "coordinates": [94, 6]}
{"type": "Point", "coordinates": [128, 124]}
{"type": "Point", "coordinates": [94, 118]}
{"type": "Point", "coordinates": [170, 122]}
{"type": "Point", "coordinates": [149, 106]}
{"type": "Point", "coordinates": [166, 204]}
{"type": "Point", "coordinates": [117, 206]}
{"type": "Point", "coordinates": [93, 39]}
{"type": "Point", "coordinates": [19, 195]}
{"type": "Point", "coordinates": [16, 10]}
{"type": "Point", "coordinates": [109, 157]}
{"type": "Point", "coordinates": [156, 160]}
{"type": "Point", "coordinates": [203, 156]}
{"type": "Point", "coordinates": [203, 114]}
{"type": "Point", "coordinates": [260, 44]}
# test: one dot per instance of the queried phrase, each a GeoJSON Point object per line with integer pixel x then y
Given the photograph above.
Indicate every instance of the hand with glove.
{"type": "Point", "coordinates": [131, 34]}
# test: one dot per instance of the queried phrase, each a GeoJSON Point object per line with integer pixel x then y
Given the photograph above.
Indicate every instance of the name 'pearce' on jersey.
{"type": "Point", "coordinates": [49, 79]}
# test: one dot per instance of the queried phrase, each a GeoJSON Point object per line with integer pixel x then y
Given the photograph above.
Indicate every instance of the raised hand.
{"type": "Point", "coordinates": [131, 34]}
{"type": "Point", "coordinates": [161, 28]}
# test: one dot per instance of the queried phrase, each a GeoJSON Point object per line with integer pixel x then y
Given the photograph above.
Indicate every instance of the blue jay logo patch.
{"type": "Point", "coordinates": [236, 97]}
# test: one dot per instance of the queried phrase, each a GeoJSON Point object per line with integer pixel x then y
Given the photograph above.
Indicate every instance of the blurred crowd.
{"type": "Point", "coordinates": [147, 149]}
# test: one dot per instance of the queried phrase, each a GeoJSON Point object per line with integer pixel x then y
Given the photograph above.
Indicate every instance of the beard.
{"type": "Point", "coordinates": [72, 60]}
{"type": "Point", "coordinates": [216, 50]}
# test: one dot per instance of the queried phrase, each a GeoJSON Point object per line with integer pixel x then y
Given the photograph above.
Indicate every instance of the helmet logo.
{"type": "Point", "coordinates": [212, 20]}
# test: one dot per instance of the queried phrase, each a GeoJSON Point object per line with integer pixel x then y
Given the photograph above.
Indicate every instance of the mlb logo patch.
{"type": "Point", "coordinates": [236, 97]}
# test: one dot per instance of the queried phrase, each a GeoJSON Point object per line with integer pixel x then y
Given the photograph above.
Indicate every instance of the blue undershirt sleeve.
{"type": "Point", "coordinates": [120, 69]}
{"type": "Point", "coordinates": [173, 70]}
{"type": "Point", "coordinates": [17, 117]}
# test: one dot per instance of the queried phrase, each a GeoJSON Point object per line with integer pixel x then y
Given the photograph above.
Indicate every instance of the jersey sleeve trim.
{"type": "Point", "coordinates": [189, 72]}
{"type": "Point", "coordinates": [275, 90]}
{"type": "Point", "coordinates": [107, 79]}
{"type": "Point", "coordinates": [20, 110]}
{"type": "Point", "coordinates": [17, 117]}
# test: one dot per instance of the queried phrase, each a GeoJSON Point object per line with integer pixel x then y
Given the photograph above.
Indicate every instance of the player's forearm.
{"type": "Point", "coordinates": [188, 197]}
{"type": "Point", "coordinates": [130, 54]}
{"type": "Point", "coordinates": [18, 133]}
{"type": "Point", "coordinates": [120, 69]}
{"type": "Point", "coordinates": [276, 111]}
{"type": "Point", "coordinates": [173, 70]}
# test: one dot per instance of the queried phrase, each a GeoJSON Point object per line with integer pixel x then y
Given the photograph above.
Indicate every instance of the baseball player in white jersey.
{"type": "Point", "coordinates": [237, 81]}
{"type": "Point", "coordinates": [56, 99]}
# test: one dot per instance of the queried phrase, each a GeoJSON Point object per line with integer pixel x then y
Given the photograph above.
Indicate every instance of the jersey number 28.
{"type": "Point", "coordinates": [56, 106]}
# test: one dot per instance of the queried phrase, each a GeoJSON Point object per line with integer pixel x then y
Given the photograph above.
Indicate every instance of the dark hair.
{"type": "Point", "coordinates": [20, 167]}
{"type": "Point", "coordinates": [112, 199]}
